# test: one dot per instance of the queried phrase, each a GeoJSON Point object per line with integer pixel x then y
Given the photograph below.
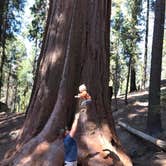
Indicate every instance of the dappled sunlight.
{"type": "Point", "coordinates": [91, 144]}
{"type": "Point", "coordinates": [145, 104]}
{"type": "Point", "coordinates": [11, 118]}
{"type": "Point", "coordinates": [54, 51]}
{"type": "Point", "coordinates": [14, 134]}
{"type": "Point", "coordinates": [25, 160]}
{"type": "Point", "coordinates": [162, 88]}
{"type": "Point", "coordinates": [99, 146]}
{"type": "Point", "coordinates": [136, 94]}
{"type": "Point", "coordinates": [139, 112]}
{"type": "Point", "coordinates": [131, 116]}
{"type": "Point", "coordinates": [161, 143]}
{"type": "Point", "coordinates": [106, 130]}
{"type": "Point", "coordinates": [55, 56]}
{"type": "Point", "coordinates": [144, 110]}
{"type": "Point", "coordinates": [75, 49]}
{"type": "Point", "coordinates": [42, 147]}
{"type": "Point", "coordinates": [59, 19]}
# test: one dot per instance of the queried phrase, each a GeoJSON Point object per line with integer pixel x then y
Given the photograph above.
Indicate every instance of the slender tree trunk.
{"type": "Point", "coordinates": [127, 82]}
{"type": "Point", "coordinates": [76, 51]}
{"type": "Point", "coordinates": [15, 97]}
{"type": "Point", "coordinates": [133, 79]}
{"type": "Point", "coordinates": [8, 84]}
{"type": "Point", "coordinates": [116, 83]}
{"type": "Point", "coordinates": [146, 47]}
{"type": "Point", "coordinates": [2, 5]}
{"type": "Point", "coordinates": [1, 67]}
{"type": "Point", "coordinates": [154, 119]}
{"type": "Point", "coordinates": [3, 40]}
{"type": "Point", "coordinates": [24, 103]}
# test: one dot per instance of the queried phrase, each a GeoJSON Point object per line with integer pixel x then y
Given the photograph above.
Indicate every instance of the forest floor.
{"type": "Point", "coordinates": [10, 124]}
{"type": "Point", "coordinates": [142, 153]}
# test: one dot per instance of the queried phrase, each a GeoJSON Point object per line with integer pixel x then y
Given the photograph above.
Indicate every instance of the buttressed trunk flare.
{"type": "Point", "coordinates": [75, 51]}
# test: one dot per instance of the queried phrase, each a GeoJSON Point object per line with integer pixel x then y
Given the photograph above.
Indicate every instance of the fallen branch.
{"type": "Point", "coordinates": [160, 143]}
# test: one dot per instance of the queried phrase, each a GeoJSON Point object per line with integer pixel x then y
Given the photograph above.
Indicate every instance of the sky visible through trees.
{"type": "Point", "coordinates": [26, 21]}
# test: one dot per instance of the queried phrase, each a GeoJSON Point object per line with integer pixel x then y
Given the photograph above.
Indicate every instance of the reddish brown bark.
{"type": "Point", "coordinates": [154, 117]}
{"type": "Point", "coordinates": [76, 50]}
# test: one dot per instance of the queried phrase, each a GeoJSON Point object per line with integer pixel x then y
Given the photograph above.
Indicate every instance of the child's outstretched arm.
{"type": "Point", "coordinates": [74, 125]}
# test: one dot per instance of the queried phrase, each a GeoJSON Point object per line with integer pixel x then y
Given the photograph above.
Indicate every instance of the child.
{"type": "Point", "coordinates": [84, 95]}
{"type": "Point", "coordinates": [70, 143]}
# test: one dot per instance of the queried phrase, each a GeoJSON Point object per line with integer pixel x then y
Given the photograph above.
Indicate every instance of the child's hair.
{"type": "Point", "coordinates": [82, 87]}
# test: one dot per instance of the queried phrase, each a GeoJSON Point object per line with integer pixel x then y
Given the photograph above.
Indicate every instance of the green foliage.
{"type": "Point", "coordinates": [125, 36]}
{"type": "Point", "coordinates": [116, 59]}
{"type": "Point", "coordinates": [10, 25]}
{"type": "Point", "coordinates": [39, 13]}
{"type": "Point", "coordinates": [25, 72]}
{"type": "Point", "coordinates": [12, 15]}
{"type": "Point", "coordinates": [18, 67]}
{"type": "Point", "coordinates": [25, 82]}
{"type": "Point", "coordinates": [16, 53]}
{"type": "Point", "coordinates": [37, 26]}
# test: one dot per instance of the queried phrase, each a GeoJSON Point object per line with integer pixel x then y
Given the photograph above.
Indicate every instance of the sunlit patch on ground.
{"type": "Point", "coordinates": [134, 114]}
{"type": "Point", "coordinates": [145, 104]}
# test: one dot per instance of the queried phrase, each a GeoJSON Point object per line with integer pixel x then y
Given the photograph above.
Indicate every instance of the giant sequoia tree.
{"type": "Point", "coordinates": [75, 50]}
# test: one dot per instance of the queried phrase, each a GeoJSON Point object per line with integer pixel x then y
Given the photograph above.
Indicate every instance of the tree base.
{"type": "Point", "coordinates": [94, 149]}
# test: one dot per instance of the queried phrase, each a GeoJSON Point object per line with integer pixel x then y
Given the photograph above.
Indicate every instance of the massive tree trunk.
{"type": "Point", "coordinates": [75, 51]}
{"type": "Point", "coordinates": [154, 119]}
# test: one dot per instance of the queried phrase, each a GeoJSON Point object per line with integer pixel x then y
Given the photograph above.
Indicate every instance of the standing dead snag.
{"type": "Point", "coordinates": [75, 50]}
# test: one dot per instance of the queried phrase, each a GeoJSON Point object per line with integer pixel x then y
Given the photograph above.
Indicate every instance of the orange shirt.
{"type": "Point", "coordinates": [84, 95]}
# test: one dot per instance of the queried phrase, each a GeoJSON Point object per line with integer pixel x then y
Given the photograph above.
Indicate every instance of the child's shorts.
{"type": "Point", "coordinates": [72, 163]}
{"type": "Point", "coordinates": [86, 102]}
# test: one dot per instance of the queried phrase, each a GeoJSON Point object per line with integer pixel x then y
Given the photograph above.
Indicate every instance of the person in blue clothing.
{"type": "Point", "coordinates": [70, 144]}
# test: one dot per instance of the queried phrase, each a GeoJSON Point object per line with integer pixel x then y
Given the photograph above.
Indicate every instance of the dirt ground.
{"type": "Point", "coordinates": [142, 153]}
{"type": "Point", "coordinates": [10, 123]}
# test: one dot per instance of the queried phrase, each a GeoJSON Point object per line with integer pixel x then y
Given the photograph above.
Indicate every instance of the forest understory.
{"type": "Point", "coordinates": [142, 153]}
